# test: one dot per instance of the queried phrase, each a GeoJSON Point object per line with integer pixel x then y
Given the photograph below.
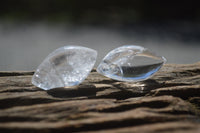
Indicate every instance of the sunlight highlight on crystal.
{"type": "Point", "coordinates": [66, 66]}
{"type": "Point", "coordinates": [130, 63]}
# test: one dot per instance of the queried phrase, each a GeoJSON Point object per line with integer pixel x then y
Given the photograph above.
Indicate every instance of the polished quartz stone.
{"type": "Point", "coordinates": [66, 66]}
{"type": "Point", "coordinates": [130, 63]}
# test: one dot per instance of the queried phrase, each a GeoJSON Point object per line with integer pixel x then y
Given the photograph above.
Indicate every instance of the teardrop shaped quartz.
{"type": "Point", "coordinates": [66, 66]}
{"type": "Point", "coordinates": [130, 63]}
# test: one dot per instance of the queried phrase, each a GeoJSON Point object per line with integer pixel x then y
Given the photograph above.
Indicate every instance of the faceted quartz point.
{"type": "Point", "coordinates": [66, 66]}
{"type": "Point", "coordinates": [130, 63]}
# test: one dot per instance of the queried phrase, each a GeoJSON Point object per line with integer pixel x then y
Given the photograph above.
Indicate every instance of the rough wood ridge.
{"type": "Point", "coordinates": [168, 102]}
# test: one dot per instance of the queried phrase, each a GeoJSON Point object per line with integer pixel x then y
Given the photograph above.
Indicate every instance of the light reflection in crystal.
{"type": "Point", "coordinates": [66, 66]}
{"type": "Point", "coordinates": [130, 63]}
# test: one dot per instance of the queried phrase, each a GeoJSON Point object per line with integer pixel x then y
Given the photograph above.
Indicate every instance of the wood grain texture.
{"type": "Point", "coordinates": [168, 102]}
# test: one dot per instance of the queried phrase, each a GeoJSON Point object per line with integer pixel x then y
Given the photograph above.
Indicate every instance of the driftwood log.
{"type": "Point", "coordinates": [167, 102]}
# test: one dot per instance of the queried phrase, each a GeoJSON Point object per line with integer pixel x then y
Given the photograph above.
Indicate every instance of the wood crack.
{"type": "Point", "coordinates": [167, 102]}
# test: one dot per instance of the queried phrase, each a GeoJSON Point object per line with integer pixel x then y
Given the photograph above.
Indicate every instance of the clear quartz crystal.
{"type": "Point", "coordinates": [130, 63]}
{"type": "Point", "coordinates": [66, 66]}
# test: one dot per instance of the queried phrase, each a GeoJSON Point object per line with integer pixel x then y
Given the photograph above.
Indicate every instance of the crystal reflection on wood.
{"type": "Point", "coordinates": [130, 63]}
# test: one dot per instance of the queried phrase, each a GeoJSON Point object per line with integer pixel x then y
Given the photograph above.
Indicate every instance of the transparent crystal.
{"type": "Point", "coordinates": [66, 66]}
{"type": "Point", "coordinates": [130, 63]}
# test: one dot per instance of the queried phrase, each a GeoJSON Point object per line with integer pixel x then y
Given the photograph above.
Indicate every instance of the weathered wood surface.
{"type": "Point", "coordinates": [168, 102]}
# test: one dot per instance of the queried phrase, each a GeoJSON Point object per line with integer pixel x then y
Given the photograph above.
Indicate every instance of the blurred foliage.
{"type": "Point", "coordinates": [100, 11]}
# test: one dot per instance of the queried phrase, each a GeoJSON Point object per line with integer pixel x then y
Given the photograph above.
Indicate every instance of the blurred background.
{"type": "Point", "coordinates": [31, 29]}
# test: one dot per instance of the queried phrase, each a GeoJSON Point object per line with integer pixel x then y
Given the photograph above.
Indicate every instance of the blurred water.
{"type": "Point", "coordinates": [24, 46]}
